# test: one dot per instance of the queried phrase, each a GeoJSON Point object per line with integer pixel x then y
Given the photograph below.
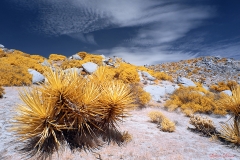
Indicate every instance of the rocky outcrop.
{"type": "Point", "coordinates": [36, 76]}
{"type": "Point", "coordinates": [185, 82]}
{"type": "Point", "coordinates": [90, 67]}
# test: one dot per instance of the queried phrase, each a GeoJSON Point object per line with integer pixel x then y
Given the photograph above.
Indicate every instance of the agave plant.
{"type": "Point", "coordinates": [68, 109]}
{"type": "Point", "coordinates": [232, 104]}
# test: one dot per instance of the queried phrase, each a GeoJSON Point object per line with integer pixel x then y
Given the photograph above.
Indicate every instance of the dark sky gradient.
{"type": "Point", "coordinates": [139, 31]}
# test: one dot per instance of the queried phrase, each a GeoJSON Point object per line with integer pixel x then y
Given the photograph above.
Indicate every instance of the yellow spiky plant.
{"type": "Point", "coordinates": [73, 110]}
{"type": "Point", "coordinates": [1, 92]}
{"type": "Point", "coordinates": [231, 132]}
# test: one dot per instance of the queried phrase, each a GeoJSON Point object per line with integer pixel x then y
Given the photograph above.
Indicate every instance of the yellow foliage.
{"type": "Point", "coordinates": [192, 98]}
{"type": "Point", "coordinates": [156, 74]}
{"type": "Point", "coordinates": [221, 86]}
{"type": "Point", "coordinates": [1, 92]}
{"type": "Point", "coordinates": [142, 96]}
{"type": "Point", "coordinates": [37, 57]}
{"type": "Point", "coordinates": [127, 73]}
{"type": "Point", "coordinates": [71, 109]}
{"type": "Point", "coordinates": [71, 64]}
{"type": "Point", "coordinates": [92, 58]}
{"type": "Point", "coordinates": [163, 122]}
{"type": "Point", "coordinates": [162, 76]}
{"type": "Point", "coordinates": [20, 59]}
{"type": "Point", "coordinates": [203, 125]}
{"type": "Point", "coordinates": [11, 75]}
{"type": "Point", "coordinates": [56, 57]}
{"type": "Point", "coordinates": [231, 132]}
{"type": "Point", "coordinates": [82, 54]}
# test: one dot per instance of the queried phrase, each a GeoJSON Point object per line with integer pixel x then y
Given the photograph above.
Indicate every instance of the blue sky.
{"type": "Point", "coordinates": [139, 31]}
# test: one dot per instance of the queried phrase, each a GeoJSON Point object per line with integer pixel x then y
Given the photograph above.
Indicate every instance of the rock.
{"type": "Point", "coordinates": [169, 89]}
{"type": "Point", "coordinates": [149, 77]}
{"type": "Point", "coordinates": [45, 63]}
{"type": "Point", "coordinates": [205, 87]}
{"type": "Point", "coordinates": [228, 92]}
{"type": "Point", "coordinates": [78, 70]}
{"type": "Point", "coordinates": [1, 46]}
{"type": "Point", "coordinates": [185, 81]}
{"type": "Point", "coordinates": [36, 76]}
{"type": "Point", "coordinates": [140, 76]}
{"type": "Point", "coordinates": [90, 67]}
{"type": "Point", "coordinates": [76, 57]}
{"type": "Point", "coordinates": [155, 91]}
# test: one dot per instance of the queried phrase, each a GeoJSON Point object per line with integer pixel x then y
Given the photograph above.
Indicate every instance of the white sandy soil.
{"type": "Point", "coordinates": [148, 141]}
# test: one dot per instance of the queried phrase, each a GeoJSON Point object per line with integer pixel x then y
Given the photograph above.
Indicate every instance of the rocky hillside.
{"type": "Point", "coordinates": [207, 70]}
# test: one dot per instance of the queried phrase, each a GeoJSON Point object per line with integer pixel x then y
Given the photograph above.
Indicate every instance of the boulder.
{"type": "Point", "coordinates": [90, 67]}
{"type": "Point", "coordinates": [140, 76]}
{"type": "Point", "coordinates": [76, 57]}
{"type": "Point", "coordinates": [36, 76]}
{"type": "Point", "coordinates": [185, 82]}
{"type": "Point", "coordinates": [228, 92]}
{"type": "Point", "coordinates": [149, 76]}
{"type": "Point", "coordinates": [155, 91]}
{"type": "Point", "coordinates": [45, 63]}
{"type": "Point", "coordinates": [169, 89]}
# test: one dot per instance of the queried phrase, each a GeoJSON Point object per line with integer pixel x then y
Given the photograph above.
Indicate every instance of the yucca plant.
{"type": "Point", "coordinates": [69, 109]}
{"type": "Point", "coordinates": [232, 103]}
{"type": "Point", "coordinates": [1, 92]}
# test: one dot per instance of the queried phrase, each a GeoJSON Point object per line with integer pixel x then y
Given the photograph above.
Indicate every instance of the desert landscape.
{"type": "Point", "coordinates": [148, 142]}
{"type": "Point", "coordinates": [172, 114]}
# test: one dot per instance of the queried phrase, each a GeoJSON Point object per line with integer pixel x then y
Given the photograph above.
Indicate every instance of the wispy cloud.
{"type": "Point", "coordinates": [160, 24]}
{"type": "Point", "coordinates": [85, 38]}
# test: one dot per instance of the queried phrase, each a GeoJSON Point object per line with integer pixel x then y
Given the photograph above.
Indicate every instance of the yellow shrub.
{"type": "Point", "coordinates": [37, 57]}
{"type": "Point", "coordinates": [1, 92]}
{"type": "Point", "coordinates": [162, 76]}
{"type": "Point", "coordinates": [221, 86]}
{"type": "Point", "coordinates": [57, 57]}
{"type": "Point", "coordinates": [11, 75]}
{"type": "Point", "coordinates": [163, 122]}
{"type": "Point", "coordinates": [142, 96]}
{"type": "Point", "coordinates": [190, 98]}
{"type": "Point", "coordinates": [82, 54]}
{"type": "Point", "coordinates": [93, 58]}
{"type": "Point", "coordinates": [127, 73]}
{"type": "Point", "coordinates": [21, 59]}
{"type": "Point", "coordinates": [203, 125]}
{"type": "Point", "coordinates": [71, 64]}
{"type": "Point", "coordinates": [156, 74]}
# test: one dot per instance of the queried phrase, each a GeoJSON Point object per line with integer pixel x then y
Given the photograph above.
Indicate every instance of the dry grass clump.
{"type": "Point", "coordinates": [158, 75]}
{"type": "Point", "coordinates": [127, 73]}
{"type": "Point", "coordinates": [163, 122]}
{"type": "Point", "coordinates": [203, 125]}
{"type": "Point", "coordinates": [1, 92]}
{"type": "Point", "coordinates": [69, 109]}
{"type": "Point", "coordinates": [231, 132]}
{"type": "Point", "coordinates": [142, 97]}
{"type": "Point", "coordinates": [11, 75]}
{"type": "Point", "coordinates": [195, 100]}
{"type": "Point", "coordinates": [21, 59]}
{"type": "Point", "coordinates": [56, 57]}
{"type": "Point", "coordinates": [221, 86]}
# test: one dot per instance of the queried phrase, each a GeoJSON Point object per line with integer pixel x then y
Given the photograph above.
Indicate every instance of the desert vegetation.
{"type": "Point", "coordinates": [162, 121]}
{"type": "Point", "coordinates": [83, 110]}
{"type": "Point", "coordinates": [70, 109]}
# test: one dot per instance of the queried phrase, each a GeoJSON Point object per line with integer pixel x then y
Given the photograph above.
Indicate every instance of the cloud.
{"type": "Point", "coordinates": [85, 38]}
{"type": "Point", "coordinates": [140, 56]}
{"type": "Point", "coordinates": [160, 23]}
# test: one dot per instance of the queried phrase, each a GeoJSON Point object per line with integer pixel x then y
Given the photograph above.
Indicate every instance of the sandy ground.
{"type": "Point", "coordinates": [148, 142]}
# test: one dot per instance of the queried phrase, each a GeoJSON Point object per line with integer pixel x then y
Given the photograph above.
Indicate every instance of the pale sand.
{"type": "Point", "coordinates": [148, 143]}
